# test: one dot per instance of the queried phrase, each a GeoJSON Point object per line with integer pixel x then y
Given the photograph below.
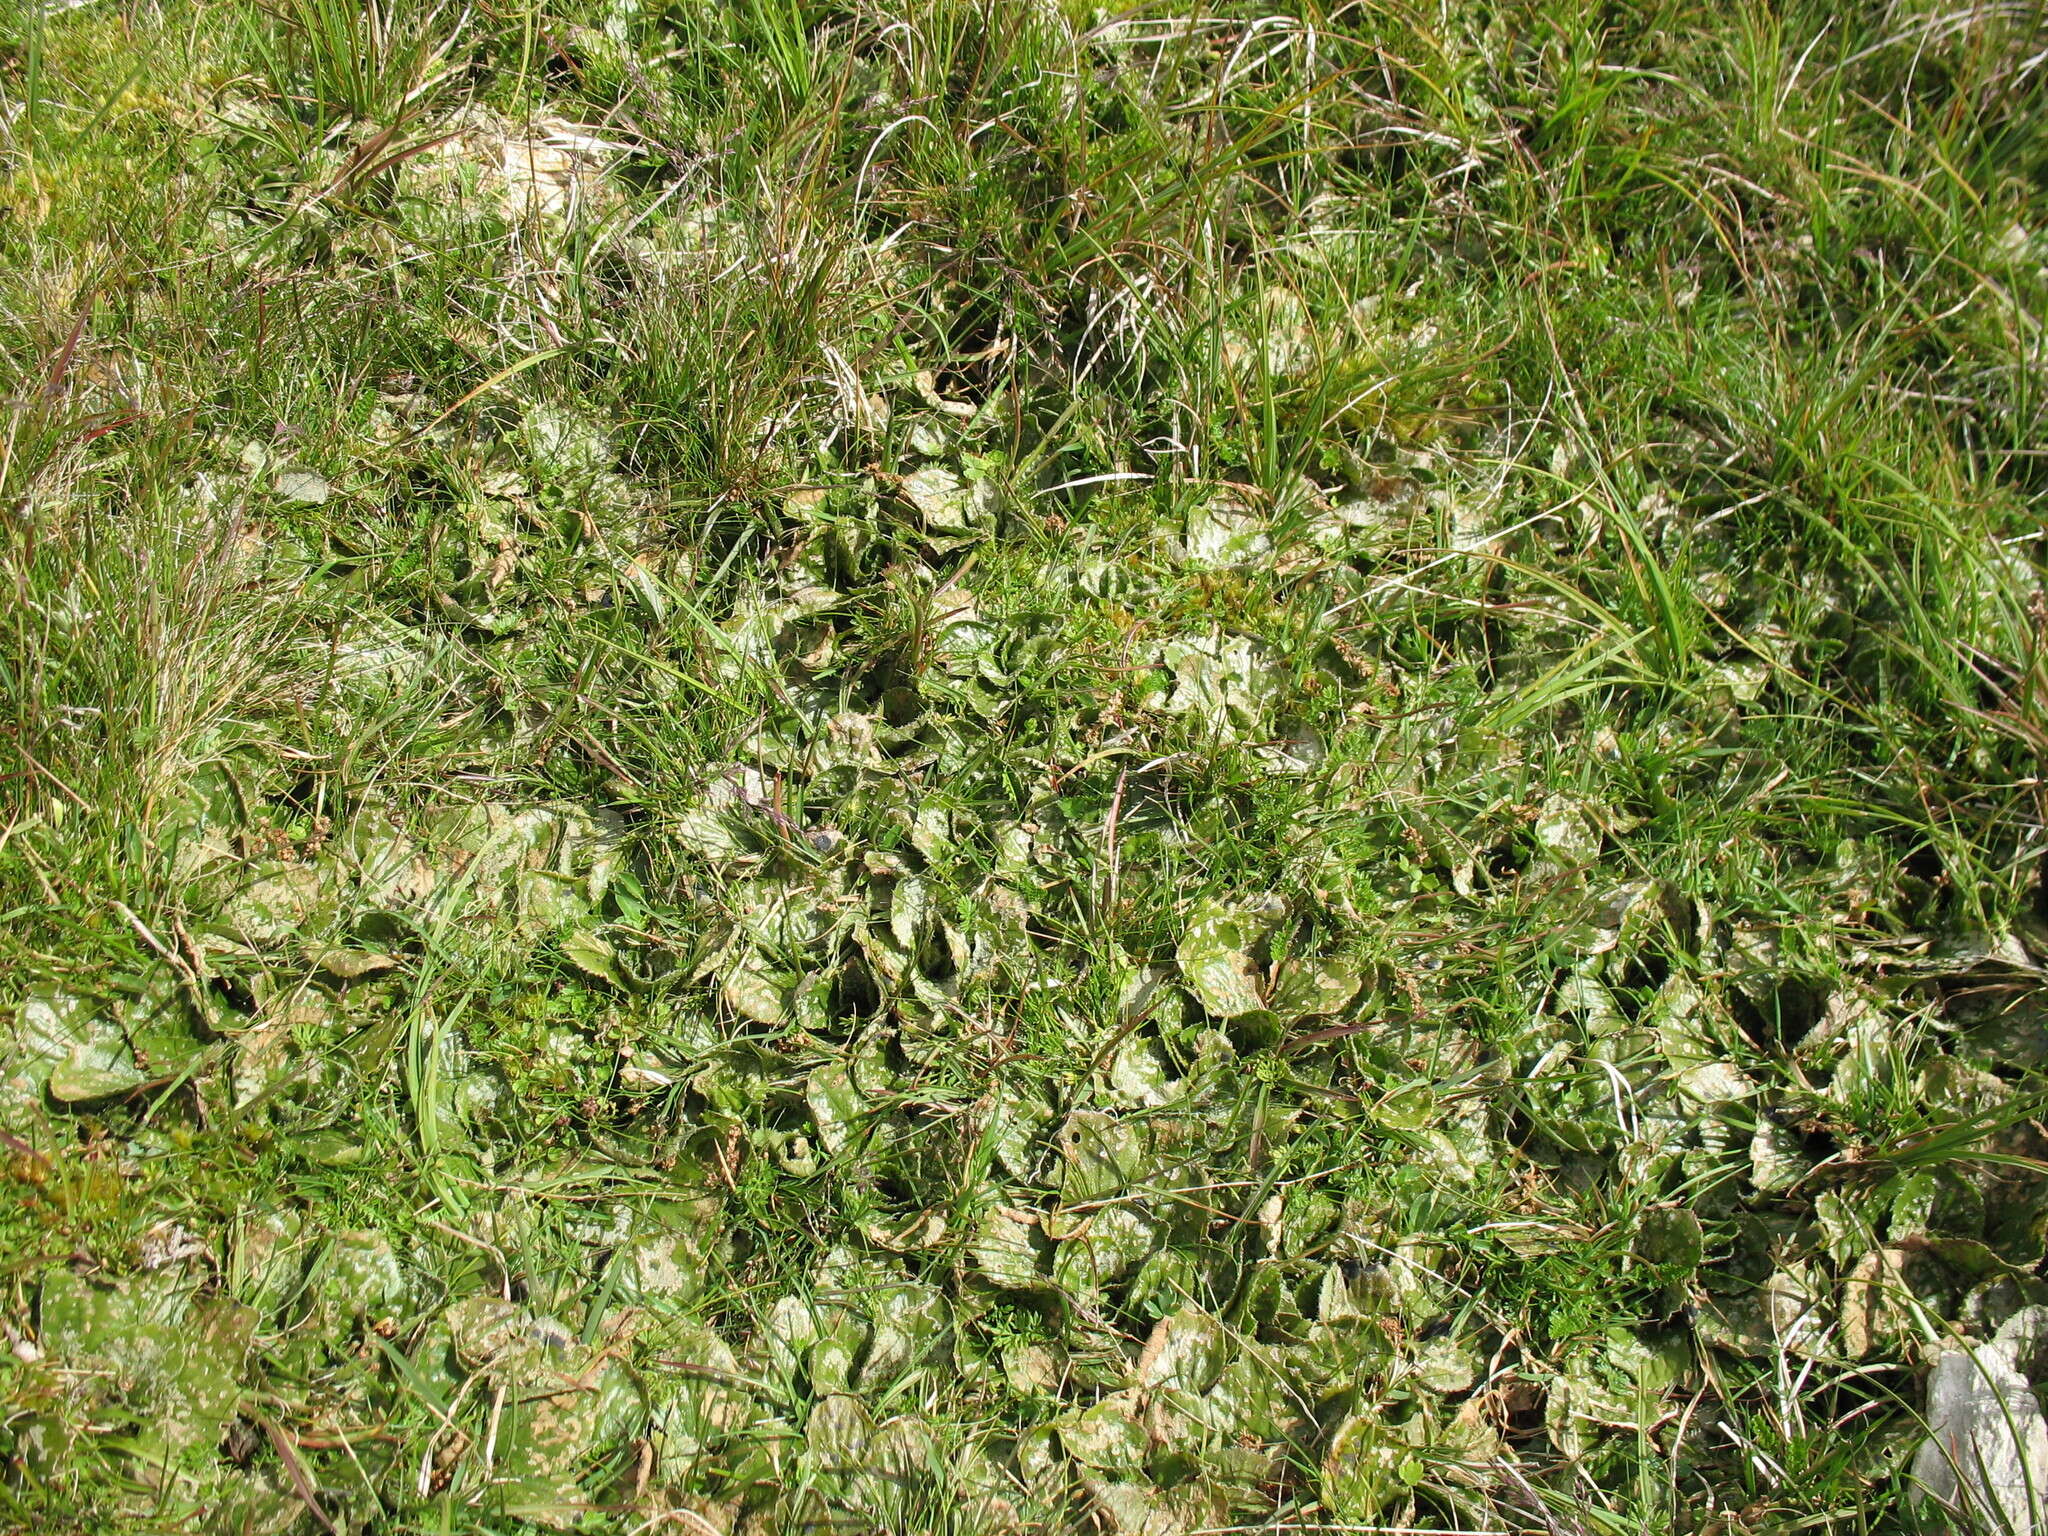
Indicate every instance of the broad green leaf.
{"type": "Point", "coordinates": [346, 964]}
{"type": "Point", "coordinates": [1223, 531]}
{"type": "Point", "coordinates": [836, 1104]}
{"type": "Point", "coordinates": [913, 1328]}
{"type": "Point", "coordinates": [1361, 1471]}
{"type": "Point", "coordinates": [1670, 1236]}
{"type": "Point", "coordinates": [1215, 957]}
{"type": "Point", "coordinates": [296, 900]}
{"type": "Point", "coordinates": [77, 1082]}
{"type": "Point", "coordinates": [1112, 1242]}
{"type": "Point", "coordinates": [1107, 1436]}
{"type": "Point", "coordinates": [1008, 1248]}
{"type": "Point", "coordinates": [752, 990]}
{"type": "Point", "coordinates": [1186, 1352]}
{"type": "Point", "coordinates": [1307, 987]}
{"type": "Point", "coordinates": [838, 1433]}
{"type": "Point", "coordinates": [590, 952]}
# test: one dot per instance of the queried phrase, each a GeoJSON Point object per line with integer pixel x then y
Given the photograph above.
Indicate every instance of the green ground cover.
{"type": "Point", "coordinates": [771, 765]}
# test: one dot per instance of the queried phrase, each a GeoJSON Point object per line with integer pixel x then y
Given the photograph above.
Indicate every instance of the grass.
{"type": "Point", "coordinates": [975, 767]}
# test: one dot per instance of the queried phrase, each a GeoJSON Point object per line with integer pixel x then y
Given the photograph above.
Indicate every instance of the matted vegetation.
{"type": "Point", "coordinates": [771, 765]}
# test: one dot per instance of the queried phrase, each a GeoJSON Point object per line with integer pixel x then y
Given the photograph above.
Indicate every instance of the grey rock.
{"type": "Point", "coordinates": [1985, 1459]}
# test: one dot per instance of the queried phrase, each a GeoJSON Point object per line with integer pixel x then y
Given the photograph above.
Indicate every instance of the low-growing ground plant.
{"type": "Point", "coordinates": [1017, 766]}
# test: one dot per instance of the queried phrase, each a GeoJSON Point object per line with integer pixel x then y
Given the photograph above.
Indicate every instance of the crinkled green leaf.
{"type": "Point", "coordinates": [590, 952]}
{"type": "Point", "coordinates": [1009, 1249]}
{"type": "Point", "coordinates": [76, 1082]}
{"type": "Point", "coordinates": [348, 964]}
{"type": "Point", "coordinates": [1107, 1436]}
{"type": "Point", "coordinates": [1215, 957]}
{"type": "Point", "coordinates": [752, 990]}
{"type": "Point", "coordinates": [1670, 1236]}
{"type": "Point", "coordinates": [1307, 987]}
{"type": "Point", "coordinates": [1110, 1243]}
{"type": "Point", "coordinates": [1186, 1352]}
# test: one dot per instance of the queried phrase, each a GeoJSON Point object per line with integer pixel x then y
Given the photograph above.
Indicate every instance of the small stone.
{"type": "Point", "coordinates": [1985, 1459]}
